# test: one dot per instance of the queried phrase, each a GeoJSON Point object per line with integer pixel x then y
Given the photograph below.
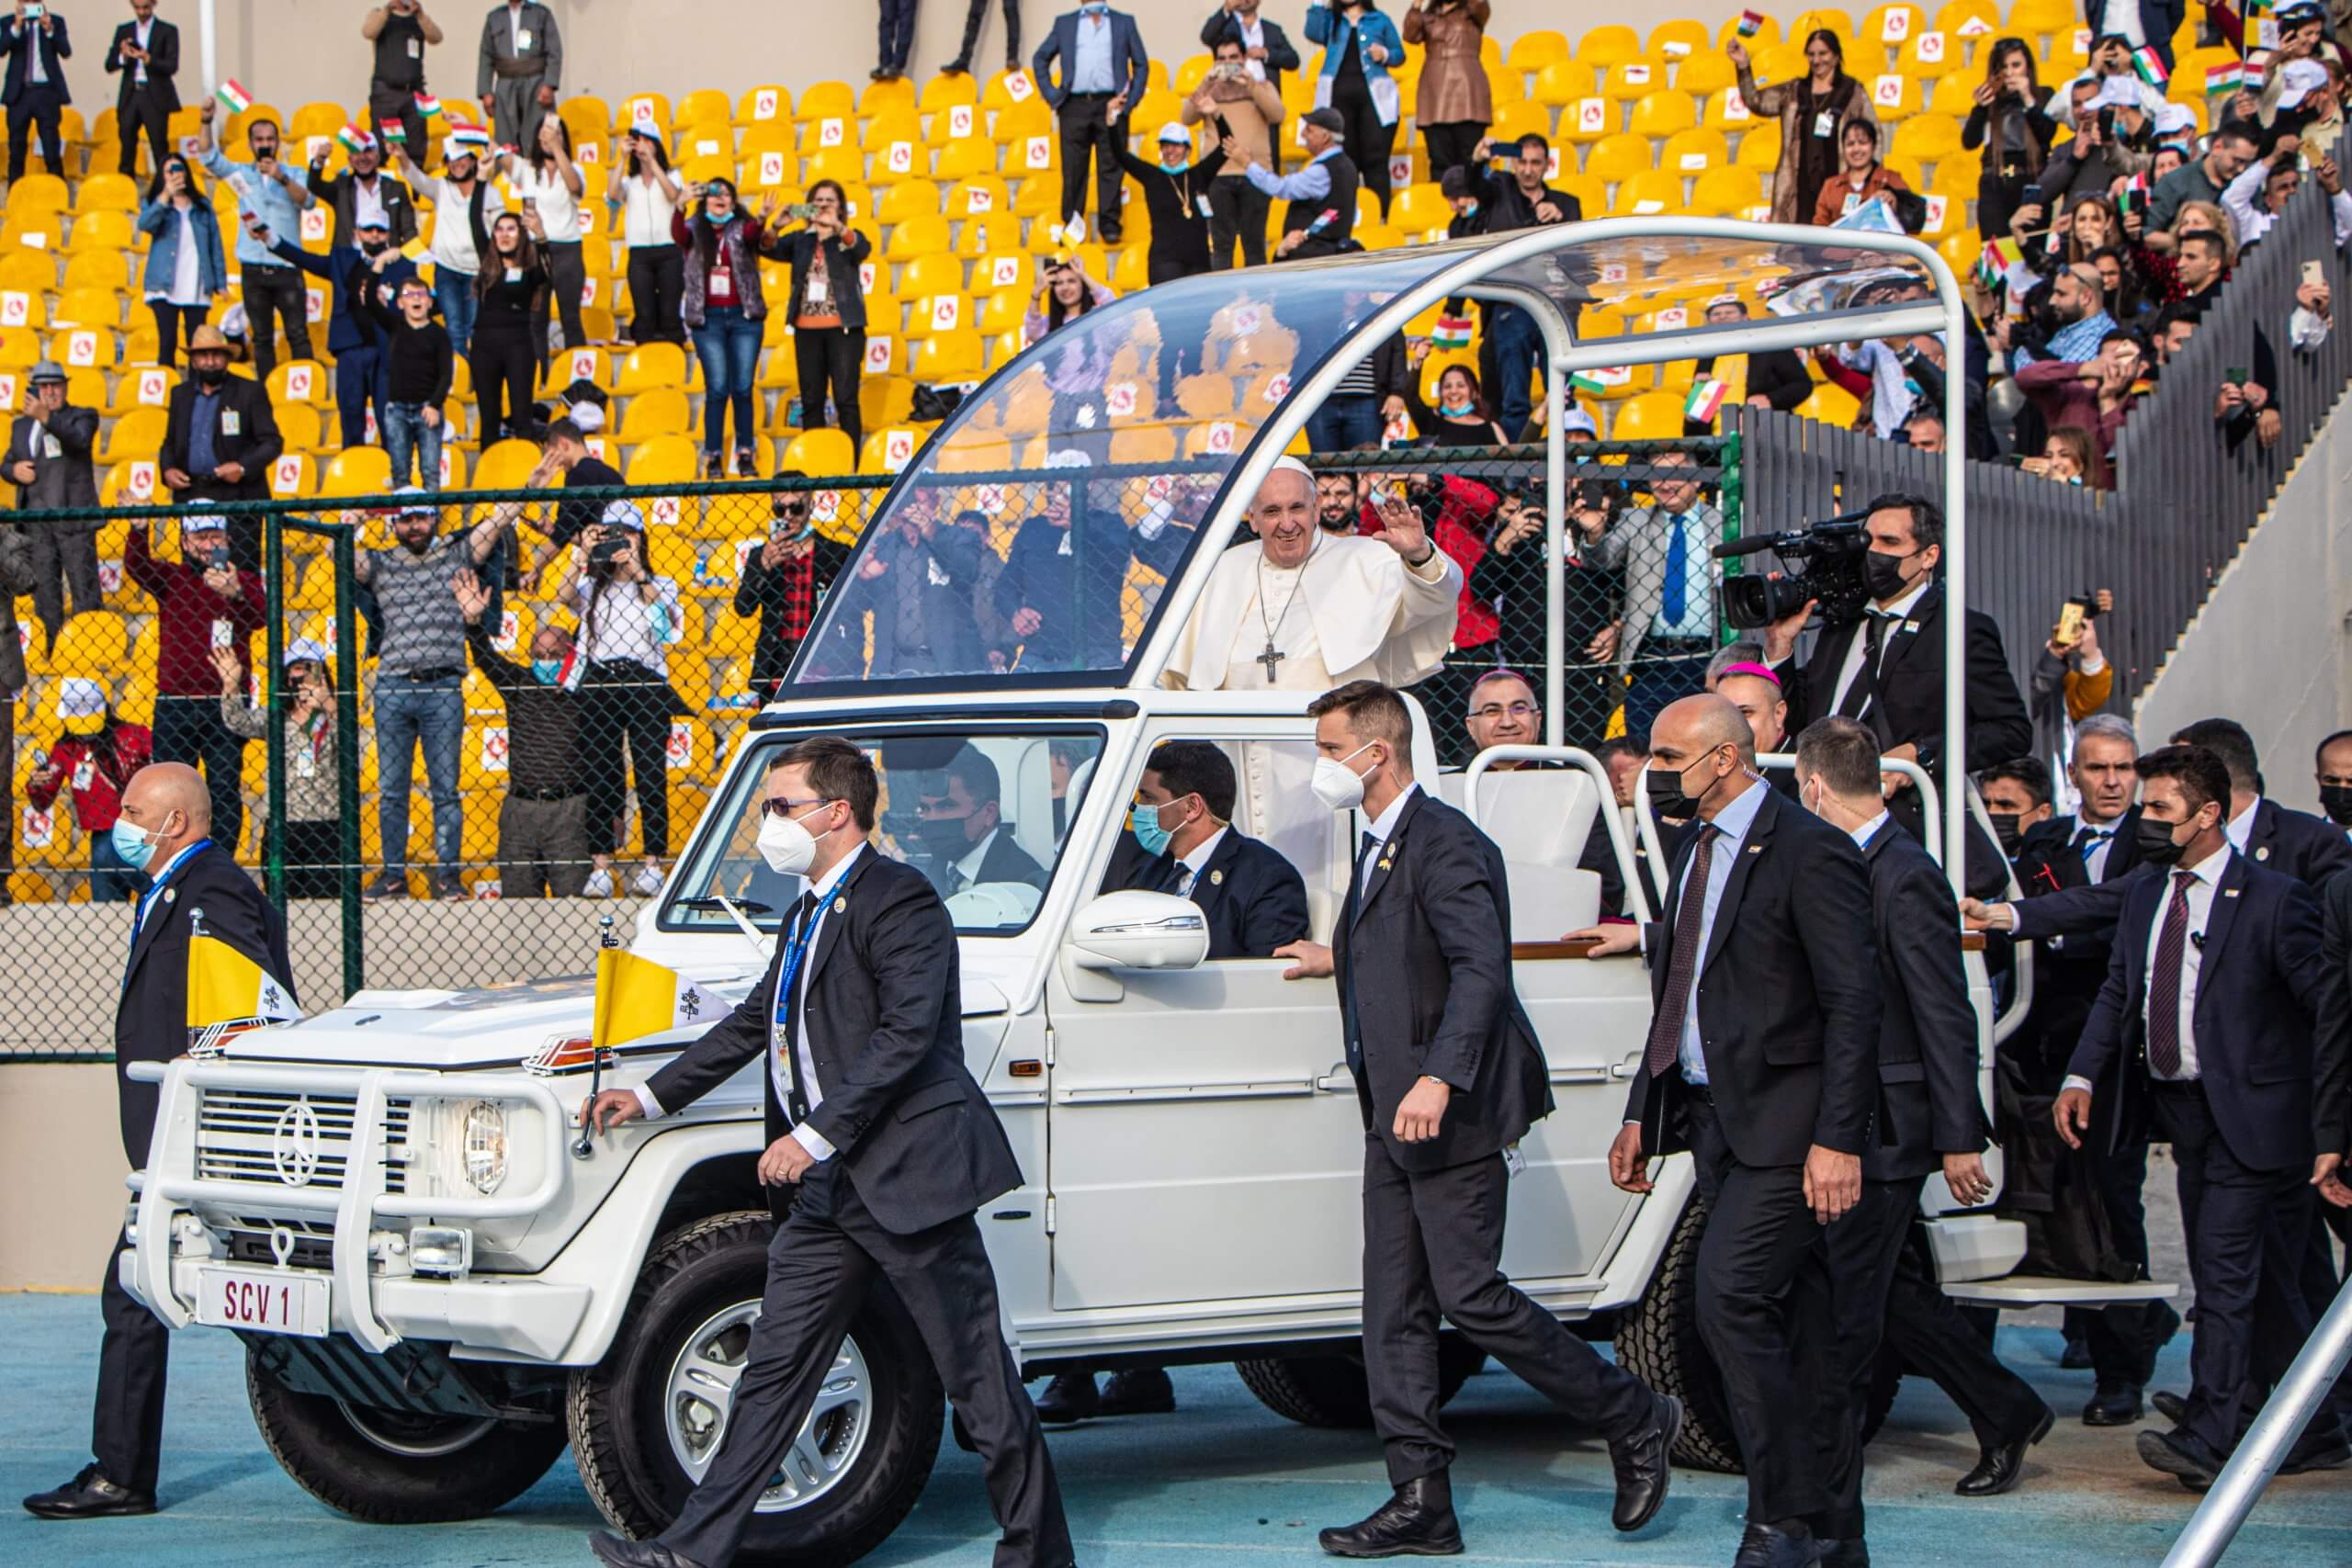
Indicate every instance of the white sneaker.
{"type": "Point", "coordinates": [599, 885]}
{"type": "Point", "coordinates": [647, 881]}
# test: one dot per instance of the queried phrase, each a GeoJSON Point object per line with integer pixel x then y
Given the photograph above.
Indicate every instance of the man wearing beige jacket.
{"type": "Point", "coordinates": [1250, 111]}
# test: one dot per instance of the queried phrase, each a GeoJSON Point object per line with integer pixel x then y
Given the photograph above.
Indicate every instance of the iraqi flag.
{"type": "Point", "coordinates": [1705, 401]}
{"type": "Point", "coordinates": [234, 98]}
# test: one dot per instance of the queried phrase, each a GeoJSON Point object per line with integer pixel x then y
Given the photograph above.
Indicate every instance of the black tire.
{"type": "Point", "coordinates": [621, 1434]}
{"type": "Point", "coordinates": [1657, 1341]}
{"type": "Point", "coordinates": [1330, 1391]}
{"type": "Point", "coordinates": [413, 1470]}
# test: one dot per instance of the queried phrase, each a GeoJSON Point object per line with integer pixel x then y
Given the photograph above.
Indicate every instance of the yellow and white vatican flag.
{"type": "Point", "coordinates": [228, 993]}
{"type": "Point", "coordinates": [636, 997]}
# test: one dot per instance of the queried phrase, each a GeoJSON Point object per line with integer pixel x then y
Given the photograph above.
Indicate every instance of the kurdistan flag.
{"type": "Point", "coordinates": [233, 97]}
{"type": "Point", "coordinates": [228, 993]}
{"type": "Point", "coordinates": [636, 997]}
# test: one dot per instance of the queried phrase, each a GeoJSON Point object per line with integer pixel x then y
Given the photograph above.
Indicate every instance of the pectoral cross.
{"type": "Point", "coordinates": [1270, 659]}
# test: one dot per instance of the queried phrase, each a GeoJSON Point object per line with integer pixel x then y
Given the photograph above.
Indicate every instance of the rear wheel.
{"type": "Point", "coordinates": [647, 1421]}
{"type": "Point", "coordinates": [1330, 1390]}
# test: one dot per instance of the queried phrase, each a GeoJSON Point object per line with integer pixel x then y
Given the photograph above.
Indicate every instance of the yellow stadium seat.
{"type": "Point", "coordinates": [1954, 96]}
{"type": "Point", "coordinates": [651, 368]}
{"type": "Point", "coordinates": [909, 198]}
{"type": "Point", "coordinates": [928, 274]}
{"type": "Point", "coordinates": [1651, 193]}
{"type": "Point", "coordinates": [1727, 193]}
{"type": "Point", "coordinates": [1837, 20]}
{"type": "Point", "coordinates": [1632, 80]}
{"type": "Point", "coordinates": [1662, 113]}
{"type": "Point", "coordinates": [95, 269]}
{"type": "Point", "coordinates": [821, 454]}
{"type": "Point", "coordinates": [1559, 83]}
{"type": "Point", "coordinates": [1420, 207]}
{"type": "Point", "coordinates": [1894, 96]}
{"type": "Point", "coordinates": [1649, 416]}
{"type": "Point", "coordinates": [294, 476]}
{"type": "Point", "coordinates": [28, 272]}
{"type": "Point", "coordinates": [1001, 311]}
{"type": "Point", "coordinates": [1533, 50]}
{"type": "Point", "coordinates": [103, 232]}
{"type": "Point", "coordinates": [1704, 75]}
{"type": "Point", "coordinates": [301, 426]}
{"type": "Point", "coordinates": [1968, 20]}
{"type": "Point", "coordinates": [91, 646]}
{"type": "Point", "coordinates": [1768, 32]}
{"type": "Point", "coordinates": [2043, 19]}
{"type": "Point", "coordinates": [1891, 26]}
{"type": "Point", "coordinates": [764, 105]}
{"type": "Point", "coordinates": [1927, 137]}
{"type": "Point", "coordinates": [1513, 121]}
{"type": "Point", "coordinates": [969, 157]}
{"type": "Point", "coordinates": [106, 192]}
{"type": "Point", "coordinates": [663, 411]}
{"type": "Point", "coordinates": [150, 389]}
{"type": "Point", "coordinates": [356, 470]}
{"type": "Point", "coordinates": [138, 435]}
{"type": "Point", "coordinates": [89, 308]}
{"type": "Point", "coordinates": [1830, 404]}
{"type": "Point", "coordinates": [822, 100]}
{"type": "Point", "coordinates": [984, 204]}
{"type": "Point", "coordinates": [1133, 269]}
{"type": "Point", "coordinates": [948, 357]}
{"type": "Point", "coordinates": [886, 97]}
{"type": "Point", "coordinates": [942, 93]}
{"type": "Point", "coordinates": [1607, 46]}
{"type": "Point", "coordinates": [1760, 148]}
{"type": "Point", "coordinates": [946, 311]}
{"type": "Point", "coordinates": [1782, 61]}
{"type": "Point", "coordinates": [1694, 152]}
{"type": "Point", "coordinates": [664, 459]}
{"type": "Point", "coordinates": [1932, 56]}
{"type": "Point", "coordinates": [843, 165]}
{"type": "Point", "coordinates": [1619, 157]}
{"type": "Point", "coordinates": [38, 199]}
{"type": "Point", "coordinates": [302, 381]}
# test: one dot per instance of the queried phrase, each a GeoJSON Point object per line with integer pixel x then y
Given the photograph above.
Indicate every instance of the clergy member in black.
{"type": "Point", "coordinates": [1761, 1060]}
{"type": "Point", "coordinates": [893, 1146]}
{"type": "Point", "coordinates": [2216, 1006]}
{"type": "Point", "coordinates": [1448, 1077]}
{"type": "Point", "coordinates": [1930, 1118]}
{"type": "Point", "coordinates": [191, 882]}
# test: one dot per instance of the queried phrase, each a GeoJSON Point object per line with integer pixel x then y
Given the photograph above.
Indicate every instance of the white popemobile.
{"type": "Point", "coordinates": [438, 1291]}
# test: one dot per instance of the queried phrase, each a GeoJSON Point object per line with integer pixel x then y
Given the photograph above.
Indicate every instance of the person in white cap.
{"type": "Point", "coordinates": [463, 204]}
{"type": "Point", "coordinates": [1176, 193]}
{"type": "Point", "coordinates": [313, 848]}
{"type": "Point", "coordinates": [629, 618]}
{"type": "Point", "coordinates": [93, 764]}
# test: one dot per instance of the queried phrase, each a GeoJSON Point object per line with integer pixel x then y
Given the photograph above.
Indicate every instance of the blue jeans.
{"type": "Point", "coordinates": [729, 342]}
{"type": "Point", "coordinates": [1519, 347]}
{"type": "Point", "coordinates": [406, 434]}
{"type": "Point", "coordinates": [1343, 424]}
{"type": "Point", "coordinates": [454, 292]}
{"type": "Point", "coordinates": [407, 712]}
{"type": "Point", "coordinates": [359, 378]}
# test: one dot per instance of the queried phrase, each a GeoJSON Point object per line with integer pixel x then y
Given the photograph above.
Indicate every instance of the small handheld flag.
{"type": "Point", "coordinates": [234, 98]}
{"type": "Point", "coordinates": [2224, 78]}
{"type": "Point", "coordinates": [1588, 381]}
{"type": "Point", "coordinates": [428, 105]}
{"type": "Point", "coordinates": [1750, 23]}
{"type": "Point", "coordinates": [2150, 66]}
{"type": "Point", "coordinates": [1705, 401]}
{"type": "Point", "coordinates": [354, 139]}
{"type": "Point", "coordinates": [1453, 331]}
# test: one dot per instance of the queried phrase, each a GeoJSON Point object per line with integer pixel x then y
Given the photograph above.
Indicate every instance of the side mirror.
{"type": "Point", "coordinates": [1139, 931]}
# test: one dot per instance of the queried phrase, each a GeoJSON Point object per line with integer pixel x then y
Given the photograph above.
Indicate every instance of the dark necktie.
{"type": "Point", "coordinates": [1682, 968]}
{"type": "Point", "coordinates": [1348, 996]}
{"type": "Point", "coordinates": [1172, 879]}
{"type": "Point", "coordinates": [1865, 686]}
{"type": "Point", "coordinates": [2163, 982]}
{"type": "Point", "coordinates": [2088, 841]}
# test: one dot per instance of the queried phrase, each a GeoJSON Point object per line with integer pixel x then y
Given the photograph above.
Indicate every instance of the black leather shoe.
{"type": "Point", "coordinates": [1069, 1397]}
{"type": "Point", "coordinates": [2076, 1357]}
{"type": "Point", "coordinates": [1850, 1553]}
{"type": "Point", "coordinates": [1643, 1463]}
{"type": "Point", "coordinates": [614, 1552]}
{"type": "Point", "coordinates": [2001, 1467]}
{"type": "Point", "coordinates": [90, 1495]}
{"type": "Point", "coordinates": [1416, 1522]}
{"type": "Point", "coordinates": [1142, 1391]}
{"type": "Point", "coordinates": [956, 68]}
{"type": "Point", "coordinates": [2112, 1405]}
{"type": "Point", "coordinates": [2172, 1407]}
{"type": "Point", "coordinates": [2317, 1448]}
{"type": "Point", "coordinates": [1764, 1546]}
{"type": "Point", "coordinates": [2181, 1455]}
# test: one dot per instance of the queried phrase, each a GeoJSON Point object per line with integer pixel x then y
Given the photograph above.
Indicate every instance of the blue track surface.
{"type": "Point", "coordinates": [1222, 1482]}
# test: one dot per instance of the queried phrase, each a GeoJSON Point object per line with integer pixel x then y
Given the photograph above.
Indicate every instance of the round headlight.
{"type": "Point", "coordinates": [485, 1145]}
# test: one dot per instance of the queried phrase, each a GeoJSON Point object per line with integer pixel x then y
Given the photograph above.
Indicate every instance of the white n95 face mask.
{"type": "Point", "coordinates": [1336, 784]}
{"type": "Point", "coordinates": [788, 847]}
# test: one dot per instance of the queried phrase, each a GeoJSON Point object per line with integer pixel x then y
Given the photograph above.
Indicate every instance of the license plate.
{"type": "Point", "coordinates": [269, 1300]}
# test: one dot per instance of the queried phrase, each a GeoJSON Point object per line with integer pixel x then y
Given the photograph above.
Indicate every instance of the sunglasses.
{"type": "Point", "coordinates": [787, 807]}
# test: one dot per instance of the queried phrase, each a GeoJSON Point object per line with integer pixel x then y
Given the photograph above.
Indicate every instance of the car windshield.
{"type": "Point", "coordinates": [980, 811]}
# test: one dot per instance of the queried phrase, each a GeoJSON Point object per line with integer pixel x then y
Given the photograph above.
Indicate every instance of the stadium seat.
{"type": "Point", "coordinates": [107, 192]}
{"type": "Point", "coordinates": [302, 381]}
{"type": "Point", "coordinates": [661, 412]}
{"type": "Point", "coordinates": [1619, 157]}
{"type": "Point", "coordinates": [1530, 52]}
{"type": "Point", "coordinates": [820, 454]}
{"type": "Point", "coordinates": [1662, 113]}
{"type": "Point", "coordinates": [1649, 194]}
{"type": "Point", "coordinates": [89, 308]}
{"type": "Point", "coordinates": [1679, 40]}
{"type": "Point", "coordinates": [664, 459]}
{"type": "Point", "coordinates": [137, 435]}
{"type": "Point", "coordinates": [651, 368]}
{"type": "Point", "coordinates": [1607, 46]}
{"type": "Point", "coordinates": [1649, 416]}
{"type": "Point", "coordinates": [767, 104]}
{"type": "Point", "coordinates": [1694, 152]}
{"type": "Point", "coordinates": [356, 470]}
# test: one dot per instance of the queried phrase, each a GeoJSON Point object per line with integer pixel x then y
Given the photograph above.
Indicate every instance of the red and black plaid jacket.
{"type": "Point", "coordinates": [784, 597]}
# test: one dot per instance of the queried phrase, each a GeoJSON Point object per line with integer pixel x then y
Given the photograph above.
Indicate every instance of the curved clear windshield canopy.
{"type": "Point", "coordinates": [1033, 541]}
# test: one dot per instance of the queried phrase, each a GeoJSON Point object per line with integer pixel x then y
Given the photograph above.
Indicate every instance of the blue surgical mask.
{"type": "Point", "coordinates": [1454, 410]}
{"type": "Point", "coordinates": [1095, 7]}
{"type": "Point", "coordinates": [1178, 167]}
{"type": "Point", "coordinates": [546, 672]}
{"type": "Point", "coordinates": [1145, 821]}
{"type": "Point", "coordinates": [131, 844]}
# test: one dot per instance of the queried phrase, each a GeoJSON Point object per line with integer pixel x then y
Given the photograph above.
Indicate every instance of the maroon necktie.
{"type": "Point", "coordinates": [1682, 968]}
{"type": "Point", "coordinates": [2163, 984]}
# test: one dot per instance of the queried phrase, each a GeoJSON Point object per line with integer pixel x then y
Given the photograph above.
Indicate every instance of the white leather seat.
{"type": "Point", "coordinates": [1540, 818]}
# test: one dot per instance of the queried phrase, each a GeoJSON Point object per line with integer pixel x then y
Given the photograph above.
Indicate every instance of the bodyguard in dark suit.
{"type": "Point", "coordinates": [1930, 1117]}
{"type": "Point", "coordinates": [146, 51]}
{"type": "Point", "coordinates": [34, 88]}
{"type": "Point", "coordinates": [1762, 1061]}
{"type": "Point", "coordinates": [2213, 998]}
{"type": "Point", "coordinates": [871, 1114]}
{"type": "Point", "coordinates": [964, 831]}
{"type": "Point", "coordinates": [1449, 1078]}
{"type": "Point", "coordinates": [164, 831]}
{"type": "Point", "coordinates": [1104, 67]}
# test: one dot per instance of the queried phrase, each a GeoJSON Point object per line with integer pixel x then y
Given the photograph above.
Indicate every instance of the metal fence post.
{"type": "Point", "coordinates": [347, 755]}
{"type": "Point", "coordinates": [274, 707]}
{"type": "Point", "coordinates": [1732, 495]}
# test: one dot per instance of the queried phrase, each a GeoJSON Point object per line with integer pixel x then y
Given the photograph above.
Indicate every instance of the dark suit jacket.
{"type": "Point", "coordinates": [256, 444]}
{"type": "Point", "coordinates": [2311, 850]}
{"type": "Point", "coordinates": [1910, 706]}
{"type": "Point", "coordinates": [400, 206]}
{"type": "Point", "coordinates": [151, 1020]}
{"type": "Point", "coordinates": [916, 1136]}
{"type": "Point", "coordinates": [1424, 944]}
{"type": "Point", "coordinates": [1281, 54]}
{"type": "Point", "coordinates": [163, 63]}
{"type": "Point", "coordinates": [1254, 900]}
{"type": "Point", "coordinates": [1130, 62]}
{"type": "Point", "coordinates": [2068, 970]}
{"type": "Point", "coordinates": [1929, 1103]}
{"type": "Point", "coordinates": [1789, 1012]}
{"type": "Point", "coordinates": [66, 480]}
{"type": "Point", "coordinates": [17, 43]}
{"type": "Point", "coordinates": [2275, 1091]}
{"type": "Point", "coordinates": [2336, 951]}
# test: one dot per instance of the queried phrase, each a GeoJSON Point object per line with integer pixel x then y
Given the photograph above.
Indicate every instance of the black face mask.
{"type": "Point", "coordinates": [1883, 574]}
{"type": "Point", "coordinates": [1668, 797]}
{"type": "Point", "coordinates": [371, 249]}
{"type": "Point", "coordinates": [2336, 801]}
{"type": "Point", "coordinates": [2006, 829]}
{"type": "Point", "coordinates": [944, 837]}
{"type": "Point", "coordinates": [2157, 846]}
{"type": "Point", "coordinates": [210, 377]}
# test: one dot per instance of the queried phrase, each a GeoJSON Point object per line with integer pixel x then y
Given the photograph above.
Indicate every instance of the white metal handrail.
{"type": "Point", "coordinates": [1575, 757]}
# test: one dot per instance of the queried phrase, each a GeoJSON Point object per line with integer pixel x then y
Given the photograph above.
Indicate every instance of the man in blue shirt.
{"type": "Point", "coordinates": [2077, 305]}
{"type": "Point", "coordinates": [1322, 196]}
{"type": "Point", "coordinates": [1104, 69]}
{"type": "Point", "coordinates": [1668, 630]}
{"type": "Point", "coordinates": [267, 190]}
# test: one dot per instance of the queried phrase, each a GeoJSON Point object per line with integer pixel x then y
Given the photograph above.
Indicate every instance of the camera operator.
{"type": "Point", "coordinates": [1885, 668]}
{"type": "Point", "coordinates": [629, 617]}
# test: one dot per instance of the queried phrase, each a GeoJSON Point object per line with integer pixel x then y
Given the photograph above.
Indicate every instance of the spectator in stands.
{"type": "Point", "coordinates": [268, 190]}
{"type": "Point", "coordinates": [313, 852]}
{"type": "Point", "coordinates": [1068, 293]}
{"type": "Point", "coordinates": [2070, 680]}
{"type": "Point", "coordinates": [220, 439]}
{"type": "Point", "coordinates": [781, 583]}
{"type": "Point", "coordinates": [1668, 627]}
{"type": "Point", "coordinates": [2260, 193]}
{"type": "Point", "coordinates": [1463, 416]}
{"type": "Point", "coordinates": [1882, 374]}
{"type": "Point", "coordinates": [1176, 195]}
{"type": "Point", "coordinates": [2227, 153]}
{"type": "Point", "coordinates": [973, 19]}
{"type": "Point", "coordinates": [647, 194]}
{"type": "Point", "coordinates": [2092, 395]}
{"type": "Point", "coordinates": [727, 306]}
{"type": "Point", "coordinates": [543, 849]}
{"type": "Point", "coordinates": [420, 366]}
{"type": "Point", "coordinates": [1363, 407]}
{"type": "Point", "coordinates": [2091, 162]}
{"type": "Point", "coordinates": [464, 206]}
{"type": "Point", "coordinates": [504, 355]}
{"type": "Point", "coordinates": [1511, 579]}
{"type": "Point", "coordinates": [93, 762]}
{"type": "Point", "coordinates": [2201, 262]}
{"type": "Point", "coordinates": [419, 669]}
{"type": "Point", "coordinates": [2118, 283]}
{"type": "Point", "coordinates": [34, 89]}
{"type": "Point", "coordinates": [629, 617]}
{"type": "Point", "coordinates": [921, 580]}
{"type": "Point", "coordinates": [826, 305]}
{"type": "Point", "coordinates": [2073, 321]}
{"type": "Point", "coordinates": [897, 40]}
{"type": "Point", "coordinates": [564, 452]}
{"type": "Point", "coordinates": [1104, 69]}
{"type": "Point", "coordinates": [49, 462]}
{"type": "Point", "coordinates": [521, 70]}
{"type": "Point", "coordinates": [2087, 223]}
{"type": "Point", "coordinates": [1251, 111]}
{"type": "Point", "coordinates": [1266, 49]}
{"type": "Point", "coordinates": [1456, 103]}
{"type": "Point", "coordinates": [1360, 45]}
{"type": "Point", "coordinates": [186, 266]}
{"type": "Point", "coordinates": [147, 53]}
{"type": "Point", "coordinates": [2070, 455]}
{"type": "Point", "coordinates": [1320, 218]}
{"type": "Point", "coordinates": [1861, 177]}
{"type": "Point", "coordinates": [2313, 316]}
{"type": "Point", "coordinates": [2011, 122]}
{"type": "Point", "coordinates": [1775, 378]}
{"type": "Point", "coordinates": [1062, 593]}
{"type": "Point", "coordinates": [548, 184]}
{"type": "Point", "coordinates": [1336, 503]}
{"type": "Point", "coordinates": [202, 601]}
{"type": "Point", "coordinates": [363, 196]}
{"type": "Point", "coordinates": [399, 30]}
{"type": "Point", "coordinates": [1814, 114]}
{"type": "Point", "coordinates": [356, 274]}
{"type": "Point", "coordinates": [2111, 72]}
{"type": "Point", "coordinates": [2242, 404]}
{"type": "Point", "coordinates": [1923, 431]}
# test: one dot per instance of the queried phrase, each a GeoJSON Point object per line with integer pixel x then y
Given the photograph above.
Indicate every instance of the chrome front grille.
{"type": "Point", "coordinates": [280, 1138]}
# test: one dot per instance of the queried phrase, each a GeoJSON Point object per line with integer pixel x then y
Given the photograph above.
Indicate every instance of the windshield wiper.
{"type": "Point", "coordinates": [718, 905]}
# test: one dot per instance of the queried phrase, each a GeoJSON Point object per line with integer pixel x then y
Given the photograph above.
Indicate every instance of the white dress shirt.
{"type": "Point", "coordinates": [818, 1147]}
{"type": "Point", "coordinates": [2241, 828]}
{"type": "Point", "coordinates": [2208, 873]}
{"type": "Point", "coordinates": [1380, 827]}
{"type": "Point", "coordinates": [1869, 830]}
{"type": "Point", "coordinates": [2095, 853]}
{"type": "Point", "coordinates": [1198, 862]}
{"type": "Point", "coordinates": [1896, 614]}
{"type": "Point", "coordinates": [1731, 824]}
